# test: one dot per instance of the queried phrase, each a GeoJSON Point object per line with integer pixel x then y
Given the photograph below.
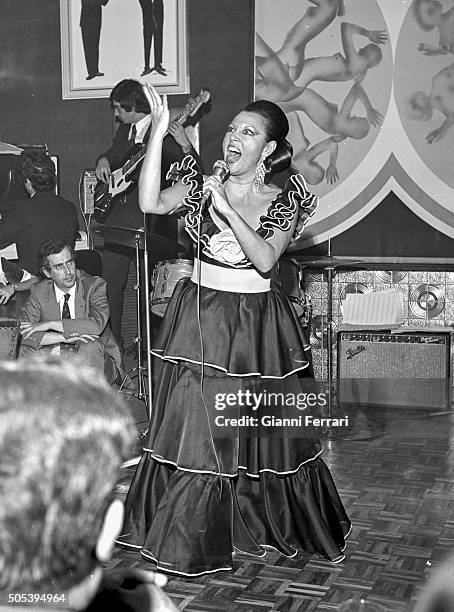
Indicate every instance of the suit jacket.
{"type": "Point", "coordinates": [128, 214]}
{"type": "Point", "coordinates": [31, 222]}
{"type": "Point", "coordinates": [91, 312]}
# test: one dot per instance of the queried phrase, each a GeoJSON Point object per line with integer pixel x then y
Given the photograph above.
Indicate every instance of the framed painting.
{"type": "Point", "coordinates": [105, 41]}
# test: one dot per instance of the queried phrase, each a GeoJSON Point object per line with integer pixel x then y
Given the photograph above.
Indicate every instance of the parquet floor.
{"type": "Point", "coordinates": [395, 475]}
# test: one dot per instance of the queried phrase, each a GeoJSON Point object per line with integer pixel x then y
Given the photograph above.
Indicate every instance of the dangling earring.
{"type": "Point", "coordinates": [260, 172]}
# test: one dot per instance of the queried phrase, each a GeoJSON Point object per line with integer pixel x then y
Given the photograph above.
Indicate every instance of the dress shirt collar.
{"type": "Point", "coordinates": [60, 297]}
{"type": "Point", "coordinates": [141, 126]}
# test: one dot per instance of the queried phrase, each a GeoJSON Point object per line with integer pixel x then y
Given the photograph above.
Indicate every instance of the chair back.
{"type": "Point", "coordinates": [9, 338]}
{"type": "Point", "coordinates": [89, 260]}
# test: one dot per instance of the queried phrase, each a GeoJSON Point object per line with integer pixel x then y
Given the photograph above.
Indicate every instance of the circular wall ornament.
{"type": "Point", "coordinates": [354, 288]}
{"type": "Point", "coordinates": [427, 301]}
{"type": "Point", "coordinates": [390, 276]}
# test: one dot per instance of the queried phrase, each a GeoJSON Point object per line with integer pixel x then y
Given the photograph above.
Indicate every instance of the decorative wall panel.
{"type": "Point", "coordinates": [428, 299]}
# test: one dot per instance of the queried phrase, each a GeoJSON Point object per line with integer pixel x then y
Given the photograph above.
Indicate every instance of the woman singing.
{"type": "Point", "coordinates": [216, 476]}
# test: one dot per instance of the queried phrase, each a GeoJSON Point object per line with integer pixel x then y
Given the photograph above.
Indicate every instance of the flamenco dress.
{"type": "Point", "coordinates": [203, 491]}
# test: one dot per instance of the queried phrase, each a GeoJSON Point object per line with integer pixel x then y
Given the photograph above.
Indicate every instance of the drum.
{"type": "Point", "coordinates": [166, 275]}
{"type": "Point", "coordinates": [288, 277]}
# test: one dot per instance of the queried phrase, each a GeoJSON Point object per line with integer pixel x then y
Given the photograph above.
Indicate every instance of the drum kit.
{"type": "Point", "coordinates": [166, 275]}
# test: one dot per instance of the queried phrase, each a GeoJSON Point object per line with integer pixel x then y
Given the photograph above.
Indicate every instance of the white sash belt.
{"type": "Point", "coordinates": [229, 279]}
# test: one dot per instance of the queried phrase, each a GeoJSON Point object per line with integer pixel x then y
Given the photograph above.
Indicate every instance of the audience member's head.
{"type": "Point", "coordinates": [63, 437]}
{"type": "Point", "coordinates": [56, 261]}
{"type": "Point", "coordinates": [38, 171]}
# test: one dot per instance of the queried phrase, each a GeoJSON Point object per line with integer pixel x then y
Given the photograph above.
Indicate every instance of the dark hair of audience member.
{"type": "Point", "coordinates": [39, 169]}
{"type": "Point", "coordinates": [51, 247]}
{"type": "Point", "coordinates": [63, 437]}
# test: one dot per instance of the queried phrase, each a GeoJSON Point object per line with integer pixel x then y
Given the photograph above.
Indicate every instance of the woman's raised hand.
{"type": "Point", "coordinates": [159, 109]}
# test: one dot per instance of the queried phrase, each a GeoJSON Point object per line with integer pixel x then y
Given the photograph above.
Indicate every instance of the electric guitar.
{"type": "Point", "coordinates": [106, 194]}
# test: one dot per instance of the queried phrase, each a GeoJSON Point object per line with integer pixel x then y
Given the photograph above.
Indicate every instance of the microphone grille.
{"type": "Point", "coordinates": [221, 169]}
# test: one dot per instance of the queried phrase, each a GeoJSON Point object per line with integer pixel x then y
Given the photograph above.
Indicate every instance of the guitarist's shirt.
{"type": "Point", "coordinates": [126, 212]}
{"type": "Point", "coordinates": [142, 128]}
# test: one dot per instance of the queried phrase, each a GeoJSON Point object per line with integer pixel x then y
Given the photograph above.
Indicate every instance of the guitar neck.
{"type": "Point", "coordinates": [137, 157]}
{"type": "Point", "coordinates": [181, 118]}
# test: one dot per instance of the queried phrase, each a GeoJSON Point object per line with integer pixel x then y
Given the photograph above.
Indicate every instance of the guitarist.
{"type": "Point", "coordinates": [131, 111]}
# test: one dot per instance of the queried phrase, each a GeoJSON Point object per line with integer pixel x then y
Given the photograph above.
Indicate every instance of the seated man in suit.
{"type": "Point", "coordinates": [68, 313]}
{"type": "Point", "coordinates": [42, 216]}
{"type": "Point", "coordinates": [63, 437]}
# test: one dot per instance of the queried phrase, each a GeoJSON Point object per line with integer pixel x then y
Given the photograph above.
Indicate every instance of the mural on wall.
{"type": "Point", "coordinates": [424, 84]}
{"type": "Point", "coordinates": [333, 66]}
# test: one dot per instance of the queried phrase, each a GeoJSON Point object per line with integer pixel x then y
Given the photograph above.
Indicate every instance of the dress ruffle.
{"type": "Point", "coordinates": [244, 334]}
{"type": "Point", "coordinates": [208, 446]}
{"type": "Point", "coordinates": [294, 199]}
{"type": "Point", "coordinates": [192, 524]}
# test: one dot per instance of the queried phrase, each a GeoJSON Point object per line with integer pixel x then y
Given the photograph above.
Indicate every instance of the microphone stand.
{"type": "Point", "coordinates": [147, 396]}
{"type": "Point", "coordinates": [141, 394]}
{"type": "Point", "coordinates": [147, 315]}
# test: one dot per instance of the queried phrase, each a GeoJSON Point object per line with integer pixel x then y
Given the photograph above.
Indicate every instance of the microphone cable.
{"type": "Point", "coordinates": [202, 350]}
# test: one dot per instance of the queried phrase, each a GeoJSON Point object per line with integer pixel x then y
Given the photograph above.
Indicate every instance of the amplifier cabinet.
{"type": "Point", "coordinates": [384, 369]}
{"type": "Point", "coordinates": [88, 184]}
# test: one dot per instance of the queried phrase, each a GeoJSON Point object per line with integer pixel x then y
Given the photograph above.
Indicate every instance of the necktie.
{"type": "Point", "coordinates": [132, 137]}
{"type": "Point", "coordinates": [65, 314]}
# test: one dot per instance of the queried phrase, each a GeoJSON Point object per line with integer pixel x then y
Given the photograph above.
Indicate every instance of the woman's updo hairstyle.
{"type": "Point", "coordinates": [276, 129]}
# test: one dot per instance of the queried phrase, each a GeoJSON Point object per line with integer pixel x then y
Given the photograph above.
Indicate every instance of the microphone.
{"type": "Point", "coordinates": [221, 171]}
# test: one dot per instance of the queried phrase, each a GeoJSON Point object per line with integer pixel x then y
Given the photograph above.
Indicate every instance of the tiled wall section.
{"type": "Point", "coordinates": [428, 299]}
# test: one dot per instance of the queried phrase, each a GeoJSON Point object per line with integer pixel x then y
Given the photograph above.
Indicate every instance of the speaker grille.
{"type": "Point", "coordinates": [394, 369]}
